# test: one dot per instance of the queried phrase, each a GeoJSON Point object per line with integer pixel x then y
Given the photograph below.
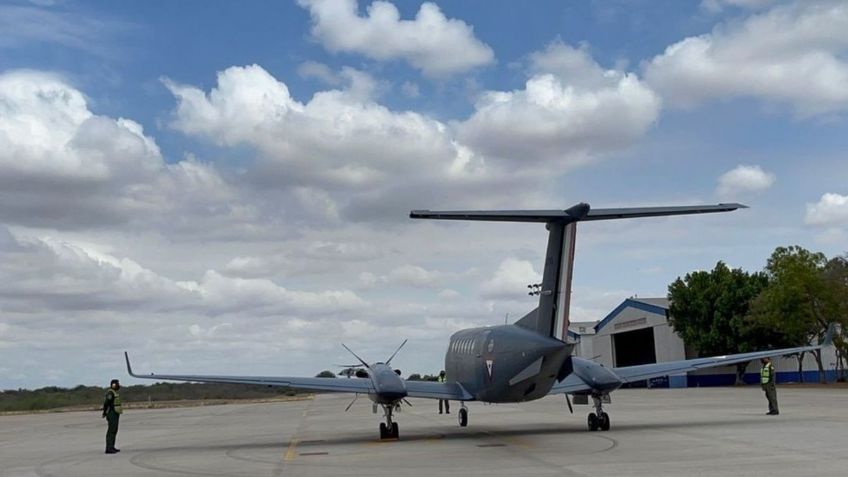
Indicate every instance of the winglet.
{"type": "Point", "coordinates": [129, 367]}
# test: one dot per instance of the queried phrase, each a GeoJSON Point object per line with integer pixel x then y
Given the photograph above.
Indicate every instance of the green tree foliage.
{"type": "Point", "coordinates": [326, 374]}
{"type": "Point", "coordinates": [708, 310]}
{"type": "Point", "coordinates": [803, 297]}
{"type": "Point", "coordinates": [836, 277]}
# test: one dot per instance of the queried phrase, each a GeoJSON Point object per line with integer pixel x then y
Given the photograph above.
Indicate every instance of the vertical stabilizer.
{"type": "Point", "coordinates": [551, 318]}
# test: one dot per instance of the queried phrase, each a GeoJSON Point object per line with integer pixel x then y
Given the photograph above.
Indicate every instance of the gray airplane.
{"type": "Point", "coordinates": [518, 362]}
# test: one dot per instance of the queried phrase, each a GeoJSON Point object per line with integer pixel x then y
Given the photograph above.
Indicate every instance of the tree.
{"type": "Point", "coordinates": [836, 279]}
{"type": "Point", "coordinates": [708, 310]}
{"type": "Point", "coordinates": [326, 374]}
{"type": "Point", "coordinates": [414, 377]}
{"type": "Point", "coordinates": [802, 297]}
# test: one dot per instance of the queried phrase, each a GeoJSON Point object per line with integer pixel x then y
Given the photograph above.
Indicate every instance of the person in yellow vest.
{"type": "Point", "coordinates": [112, 412]}
{"type": "Point", "coordinates": [767, 379]}
{"type": "Point", "coordinates": [443, 378]}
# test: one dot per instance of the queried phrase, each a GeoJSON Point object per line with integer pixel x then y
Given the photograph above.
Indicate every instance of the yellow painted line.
{"type": "Point", "coordinates": [291, 451]}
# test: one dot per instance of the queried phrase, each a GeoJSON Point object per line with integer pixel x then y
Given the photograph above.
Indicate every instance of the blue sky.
{"type": "Point", "coordinates": [195, 180]}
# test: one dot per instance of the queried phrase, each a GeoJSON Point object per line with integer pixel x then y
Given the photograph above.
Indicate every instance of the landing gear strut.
{"type": "Point", "coordinates": [601, 420]}
{"type": "Point", "coordinates": [389, 429]}
{"type": "Point", "coordinates": [463, 415]}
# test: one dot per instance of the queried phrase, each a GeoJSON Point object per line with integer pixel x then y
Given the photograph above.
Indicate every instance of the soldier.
{"type": "Point", "coordinates": [767, 378]}
{"type": "Point", "coordinates": [112, 412]}
{"type": "Point", "coordinates": [442, 379]}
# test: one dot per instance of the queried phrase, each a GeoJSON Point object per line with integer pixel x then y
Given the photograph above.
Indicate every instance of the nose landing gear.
{"type": "Point", "coordinates": [389, 429]}
{"type": "Point", "coordinates": [598, 419]}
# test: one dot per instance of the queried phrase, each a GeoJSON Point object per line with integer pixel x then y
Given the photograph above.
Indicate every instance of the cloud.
{"type": "Point", "coordinates": [744, 179]}
{"type": "Point", "coordinates": [717, 6]}
{"type": "Point", "coordinates": [510, 280]}
{"type": "Point", "coordinates": [63, 166]}
{"type": "Point", "coordinates": [432, 43]}
{"type": "Point", "coordinates": [24, 25]}
{"type": "Point", "coordinates": [830, 211]}
{"type": "Point", "coordinates": [791, 54]}
{"type": "Point", "coordinates": [320, 71]}
{"type": "Point", "coordinates": [410, 89]}
{"type": "Point", "coordinates": [50, 274]}
{"type": "Point", "coordinates": [569, 112]}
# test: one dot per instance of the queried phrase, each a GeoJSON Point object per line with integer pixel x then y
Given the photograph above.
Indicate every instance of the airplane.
{"type": "Point", "coordinates": [510, 363]}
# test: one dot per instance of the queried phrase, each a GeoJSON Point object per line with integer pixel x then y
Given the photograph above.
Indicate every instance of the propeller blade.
{"type": "Point", "coordinates": [570, 409]}
{"type": "Point", "coordinates": [357, 365]}
{"type": "Point", "coordinates": [407, 402]}
{"type": "Point", "coordinates": [396, 352]}
{"type": "Point", "coordinates": [357, 357]}
{"type": "Point", "coordinates": [355, 397]}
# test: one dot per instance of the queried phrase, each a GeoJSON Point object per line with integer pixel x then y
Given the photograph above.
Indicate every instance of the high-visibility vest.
{"type": "Point", "coordinates": [766, 373]}
{"type": "Point", "coordinates": [116, 401]}
{"type": "Point", "coordinates": [442, 379]}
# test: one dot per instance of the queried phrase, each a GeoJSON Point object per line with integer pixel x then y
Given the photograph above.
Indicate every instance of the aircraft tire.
{"type": "Point", "coordinates": [604, 421]}
{"type": "Point", "coordinates": [383, 431]}
{"type": "Point", "coordinates": [463, 418]}
{"type": "Point", "coordinates": [592, 420]}
{"type": "Point", "coordinates": [395, 430]}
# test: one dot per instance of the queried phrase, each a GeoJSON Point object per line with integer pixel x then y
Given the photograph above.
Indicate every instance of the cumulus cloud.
{"type": "Point", "coordinates": [510, 280]}
{"type": "Point", "coordinates": [830, 211]}
{"type": "Point", "coordinates": [50, 274]}
{"type": "Point", "coordinates": [569, 111]}
{"type": "Point", "coordinates": [432, 43]}
{"type": "Point", "coordinates": [791, 54]}
{"type": "Point", "coordinates": [63, 166]}
{"type": "Point", "coordinates": [744, 179]}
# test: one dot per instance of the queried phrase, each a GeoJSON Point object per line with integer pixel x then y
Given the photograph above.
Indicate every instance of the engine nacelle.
{"type": "Point", "coordinates": [601, 379]}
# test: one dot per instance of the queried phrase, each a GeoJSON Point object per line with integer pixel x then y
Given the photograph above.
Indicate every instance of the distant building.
{"type": "Point", "coordinates": [638, 332]}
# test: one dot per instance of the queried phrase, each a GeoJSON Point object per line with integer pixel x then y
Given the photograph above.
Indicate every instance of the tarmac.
{"type": "Point", "coordinates": [693, 432]}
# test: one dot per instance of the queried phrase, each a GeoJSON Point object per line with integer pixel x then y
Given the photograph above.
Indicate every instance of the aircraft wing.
{"type": "Point", "coordinates": [573, 384]}
{"type": "Point", "coordinates": [648, 371]}
{"type": "Point", "coordinates": [434, 390]}
{"type": "Point", "coordinates": [352, 385]}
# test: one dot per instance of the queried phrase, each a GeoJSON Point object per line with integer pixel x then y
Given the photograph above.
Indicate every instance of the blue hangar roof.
{"type": "Point", "coordinates": [658, 306]}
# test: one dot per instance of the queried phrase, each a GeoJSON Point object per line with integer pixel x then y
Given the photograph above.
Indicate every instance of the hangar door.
{"type": "Point", "coordinates": [634, 347]}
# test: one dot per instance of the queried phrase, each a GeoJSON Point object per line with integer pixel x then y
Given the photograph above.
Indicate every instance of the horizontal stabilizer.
{"type": "Point", "coordinates": [578, 213]}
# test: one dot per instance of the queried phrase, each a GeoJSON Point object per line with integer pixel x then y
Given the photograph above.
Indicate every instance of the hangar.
{"type": "Point", "coordinates": [638, 332]}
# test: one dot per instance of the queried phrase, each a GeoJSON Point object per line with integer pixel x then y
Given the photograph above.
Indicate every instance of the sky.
{"type": "Point", "coordinates": [224, 187]}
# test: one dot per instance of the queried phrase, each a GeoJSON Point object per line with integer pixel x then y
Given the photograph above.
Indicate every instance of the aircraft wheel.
{"type": "Point", "coordinates": [604, 421]}
{"type": "Point", "coordinates": [383, 431]}
{"type": "Point", "coordinates": [395, 430]}
{"type": "Point", "coordinates": [593, 421]}
{"type": "Point", "coordinates": [463, 417]}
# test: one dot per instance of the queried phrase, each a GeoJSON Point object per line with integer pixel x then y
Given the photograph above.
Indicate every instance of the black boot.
{"type": "Point", "coordinates": [111, 451]}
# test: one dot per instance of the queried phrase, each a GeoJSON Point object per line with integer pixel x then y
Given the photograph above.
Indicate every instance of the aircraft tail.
{"type": "Point", "coordinates": [551, 318]}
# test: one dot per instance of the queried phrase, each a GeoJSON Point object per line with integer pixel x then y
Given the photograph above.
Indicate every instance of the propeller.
{"type": "Point", "coordinates": [357, 357]}
{"type": "Point", "coordinates": [355, 397]}
{"type": "Point", "coordinates": [388, 361]}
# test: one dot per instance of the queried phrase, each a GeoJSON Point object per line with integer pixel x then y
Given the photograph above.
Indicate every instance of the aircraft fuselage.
{"type": "Point", "coordinates": [505, 363]}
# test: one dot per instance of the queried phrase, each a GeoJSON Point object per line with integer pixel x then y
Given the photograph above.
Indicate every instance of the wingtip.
{"type": "Point", "coordinates": [129, 367]}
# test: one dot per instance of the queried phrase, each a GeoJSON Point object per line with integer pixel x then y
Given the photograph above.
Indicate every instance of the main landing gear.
{"type": "Point", "coordinates": [463, 415]}
{"type": "Point", "coordinates": [601, 420]}
{"type": "Point", "coordinates": [389, 429]}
